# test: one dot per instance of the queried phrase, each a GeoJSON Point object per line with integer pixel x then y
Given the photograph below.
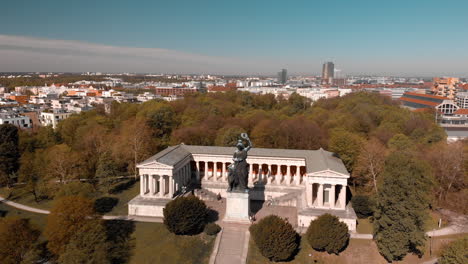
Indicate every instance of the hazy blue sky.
{"type": "Point", "coordinates": [399, 37]}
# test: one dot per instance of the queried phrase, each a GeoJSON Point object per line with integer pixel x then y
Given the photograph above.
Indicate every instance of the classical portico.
{"type": "Point", "coordinates": [306, 179]}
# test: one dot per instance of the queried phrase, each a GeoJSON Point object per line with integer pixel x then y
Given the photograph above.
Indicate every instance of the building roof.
{"type": "Point", "coordinates": [462, 111]}
{"type": "Point", "coordinates": [427, 95]}
{"type": "Point", "coordinates": [315, 160]}
{"type": "Point", "coordinates": [418, 101]}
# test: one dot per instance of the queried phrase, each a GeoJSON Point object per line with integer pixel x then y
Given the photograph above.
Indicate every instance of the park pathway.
{"type": "Point", "coordinates": [233, 245]}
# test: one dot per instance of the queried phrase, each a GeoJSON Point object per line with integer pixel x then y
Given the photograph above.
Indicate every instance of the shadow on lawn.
{"type": "Point", "coordinates": [119, 234]}
{"type": "Point", "coordinates": [122, 186]}
{"type": "Point", "coordinates": [105, 204]}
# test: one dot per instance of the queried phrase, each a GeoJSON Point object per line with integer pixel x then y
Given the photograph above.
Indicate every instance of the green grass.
{"type": "Point", "coordinates": [364, 226]}
{"type": "Point", "coordinates": [154, 244]}
{"type": "Point", "coordinates": [38, 220]}
{"type": "Point", "coordinates": [17, 194]}
{"type": "Point", "coordinates": [124, 197]}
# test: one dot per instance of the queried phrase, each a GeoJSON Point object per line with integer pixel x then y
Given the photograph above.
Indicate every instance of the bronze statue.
{"type": "Point", "coordinates": [238, 171]}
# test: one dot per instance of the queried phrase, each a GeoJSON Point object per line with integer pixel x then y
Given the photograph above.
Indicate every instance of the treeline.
{"type": "Point", "coordinates": [392, 154]}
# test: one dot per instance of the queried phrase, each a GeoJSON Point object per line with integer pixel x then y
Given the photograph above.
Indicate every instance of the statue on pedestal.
{"type": "Point", "coordinates": [238, 171]}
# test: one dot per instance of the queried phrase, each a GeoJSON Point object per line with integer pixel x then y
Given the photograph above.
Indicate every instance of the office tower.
{"type": "Point", "coordinates": [328, 72]}
{"type": "Point", "coordinates": [282, 76]}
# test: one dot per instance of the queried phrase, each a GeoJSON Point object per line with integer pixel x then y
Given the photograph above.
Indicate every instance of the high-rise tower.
{"type": "Point", "coordinates": [328, 72]}
{"type": "Point", "coordinates": [283, 76]}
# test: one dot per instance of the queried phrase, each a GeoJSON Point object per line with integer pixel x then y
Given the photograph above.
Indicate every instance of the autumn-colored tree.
{"type": "Point", "coordinates": [448, 168]}
{"type": "Point", "coordinates": [17, 238]}
{"type": "Point", "coordinates": [63, 164]}
{"type": "Point", "coordinates": [228, 135]}
{"type": "Point", "coordinates": [69, 214]}
{"type": "Point", "coordinates": [135, 142]}
{"type": "Point", "coordinates": [370, 162]}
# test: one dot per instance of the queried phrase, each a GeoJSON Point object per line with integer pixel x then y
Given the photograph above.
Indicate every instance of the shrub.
{"type": "Point", "coordinates": [275, 238]}
{"type": "Point", "coordinates": [105, 204]}
{"type": "Point", "coordinates": [327, 233]}
{"type": "Point", "coordinates": [212, 229]}
{"type": "Point", "coordinates": [185, 215]}
{"type": "Point", "coordinates": [363, 206]}
{"type": "Point", "coordinates": [455, 252]}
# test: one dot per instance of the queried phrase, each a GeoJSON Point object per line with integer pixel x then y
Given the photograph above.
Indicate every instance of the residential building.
{"type": "Point", "coordinates": [15, 119]}
{"type": "Point", "coordinates": [446, 87]}
{"type": "Point", "coordinates": [462, 99]}
{"type": "Point", "coordinates": [53, 118]}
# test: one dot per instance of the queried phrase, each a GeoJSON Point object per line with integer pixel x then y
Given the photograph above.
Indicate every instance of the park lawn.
{"type": "Point", "coordinates": [19, 195]}
{"type": "Point", "coordinates": [124, 197]}
{"type": "Point", "coordinates": [155, 244]}
{"type": "Point", "coordinates": [358, 251]}
{"type": "Point", "coordinates": [364, 226]}
{"type": "Point", "coordinates": [38, 220]}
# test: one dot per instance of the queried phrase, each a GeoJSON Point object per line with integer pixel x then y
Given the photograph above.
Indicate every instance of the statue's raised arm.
{"type": "Point", "coordinates": [249, 143]}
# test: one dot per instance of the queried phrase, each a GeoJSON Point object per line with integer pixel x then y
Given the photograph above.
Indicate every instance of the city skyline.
{"type": "Point", "coordinates": [362, 37]}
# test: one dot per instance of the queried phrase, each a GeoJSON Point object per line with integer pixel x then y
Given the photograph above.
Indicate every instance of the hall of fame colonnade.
{"type": "Point", "coordinates": [313, 181]}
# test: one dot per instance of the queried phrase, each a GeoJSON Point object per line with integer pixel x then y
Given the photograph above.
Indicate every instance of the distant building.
{"type": "Point", "coordinates": [328, 72]}
{"type": "Point", "coordinates": [52, 119]}
{"type": "Point", "coordinates": [462, 99]}
{"type": "Point", "coordinates": [283, 76]}
{"type": "Point", "coordinates": [446, 87]}
{"type": "Point", "coordinates": [418, 100]}
{"type": "Point", "coordinates": [15, 119]}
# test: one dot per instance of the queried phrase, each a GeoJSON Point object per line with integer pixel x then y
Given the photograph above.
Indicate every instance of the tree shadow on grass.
{"type": "Point", "coordinates": [119, 234]}
{"type": "Point", "coordinates": [105, 204]}
{"type": "Point", "coordinates": [122, 186]}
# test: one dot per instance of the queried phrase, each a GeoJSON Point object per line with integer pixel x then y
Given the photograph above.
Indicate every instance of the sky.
{"type": "Point", "coordinates": [398, 37]}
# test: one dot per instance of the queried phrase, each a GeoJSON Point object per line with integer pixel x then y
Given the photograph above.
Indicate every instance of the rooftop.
{"type": "Point", "coordinates": [315, 160]}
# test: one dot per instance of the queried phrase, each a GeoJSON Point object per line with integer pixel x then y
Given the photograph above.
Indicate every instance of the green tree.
{"type": "Point", "coordinates": [400, 142]}
{"type": "Point", "coordinates": [347, 145]}
{"type": "Point", "coordinates": [69, 214]}
{"type": "Point", "coordinates": [185, 215]}
{"type": "Point", "coordinates": [87, 245]}
{"type": "Point", "coordinates": [106, 170]}
{"type": "Point", "coordinates": [327, 233]}
{"type": "Point", "coordinates": [275, 238]}
{"type": "Point", "coordinates": [9, 153]}
{"type": "Point", "coordinates": [363, 205]}
{"type": "Point", "coordinates": [455, 252]}
{"type": "Point", "coordinates": [17, 238]}
{"type": "Point", "coordinates": [402, 204]}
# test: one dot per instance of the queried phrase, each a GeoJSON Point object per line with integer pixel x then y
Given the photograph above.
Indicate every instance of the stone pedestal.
{"type": "Point", "coordinates": [237, 207]}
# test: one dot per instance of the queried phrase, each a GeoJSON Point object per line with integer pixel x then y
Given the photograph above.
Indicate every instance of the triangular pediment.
{"type": "Point", "coordinates": [153, 165]}
{"type": "Point", "coordinates": [328, 173]}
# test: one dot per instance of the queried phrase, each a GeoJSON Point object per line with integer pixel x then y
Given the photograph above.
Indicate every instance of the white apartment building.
{"type": "Point", "coordinates": [16, 120]}
{"type": "Point", "coordinates": [52, 119]}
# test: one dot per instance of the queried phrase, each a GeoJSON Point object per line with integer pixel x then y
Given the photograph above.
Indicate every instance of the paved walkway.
{"type": "Point", "coordinates": [233, 245]}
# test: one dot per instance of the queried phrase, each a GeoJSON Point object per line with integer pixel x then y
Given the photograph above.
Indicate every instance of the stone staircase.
{"type": "Point", "coordinates": [206, 195]}
{"type": "Point", "coordinates": [288, 197]}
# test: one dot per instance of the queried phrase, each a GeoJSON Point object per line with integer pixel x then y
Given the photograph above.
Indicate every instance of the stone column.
{"type": "Point", "coordinates": [343, 197]}
{"type": "Point", "coordinates": [260, 178]}
{"type": "Point", "coordinates": [223, 171]}
{"type": "Point", "coordinates": [160, 193]}
{"type": "Point", "coordinates": [163, 185]}
{"type": "Point", "coordinates": [197, 165]}
{"type": "Point", "coordinates": [320, 195]}
{"type": "Point", "coordinates": [332, 196]}
{"type": "Point", "coordinates": [171, 186]}
{"type": "Point", "coordinates": [298, 175]}
{"type": "Point", "coordinates": [288, 175]}
{"type": "Point", "coordinates": [205, 173]}
{"type": "Point", "coordinates": [215, 171]}
{"type": "Point", "coordinates": [151, 185]}
{"type": "Point", "coordinates": [269, 175]}
{"type": "Point", "coordinates": [251, 180]}
{"type": "Point", "coordinates": [142, 185]}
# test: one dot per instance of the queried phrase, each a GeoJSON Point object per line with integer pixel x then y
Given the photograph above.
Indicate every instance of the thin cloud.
{"type": "Point", "coordinates": [20, 53]}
